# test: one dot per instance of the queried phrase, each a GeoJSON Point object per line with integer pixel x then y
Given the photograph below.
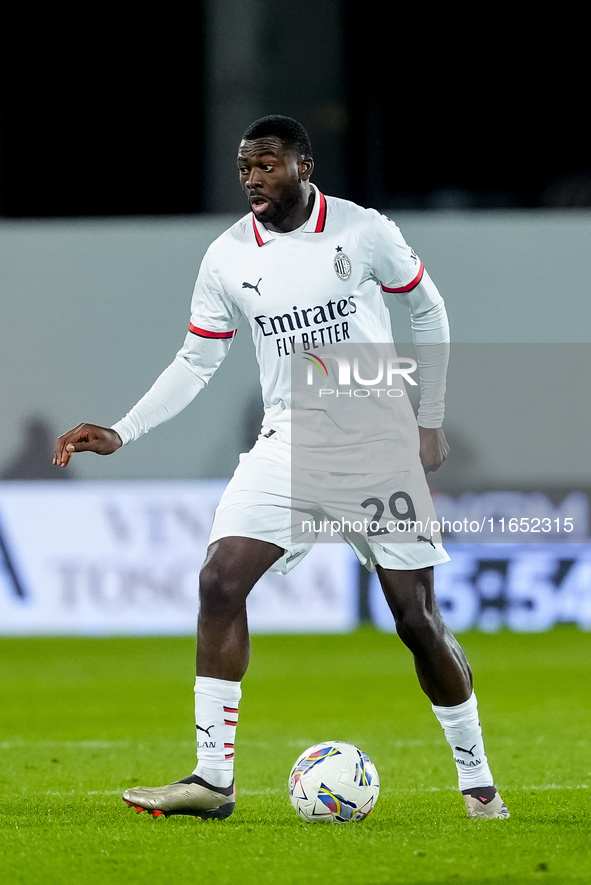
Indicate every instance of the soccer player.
{"type": "Point", "coordinates": [309, 273]}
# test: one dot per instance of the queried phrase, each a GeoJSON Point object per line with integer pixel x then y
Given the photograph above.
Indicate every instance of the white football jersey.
{"type": "Point", "coordinates": [304, 291]}
{"type": "Point", "coordinates": [307, 292]}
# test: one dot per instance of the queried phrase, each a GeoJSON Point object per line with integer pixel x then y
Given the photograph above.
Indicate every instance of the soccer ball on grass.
{"type": "Point", "coordinates": [333, 782]}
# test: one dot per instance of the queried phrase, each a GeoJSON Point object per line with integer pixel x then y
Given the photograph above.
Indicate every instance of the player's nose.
{"type": "Point", "coordinates": [253, 180]}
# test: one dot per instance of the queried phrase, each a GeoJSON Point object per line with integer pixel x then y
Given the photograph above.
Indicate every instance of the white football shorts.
{"type": "Point", "coordinates": [388, 520]}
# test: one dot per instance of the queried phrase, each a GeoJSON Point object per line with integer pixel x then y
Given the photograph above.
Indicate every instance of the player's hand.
{"type": "Point", "coordinates": [434, 448]}
{"type": "Point", "coordinates": [86, 438]}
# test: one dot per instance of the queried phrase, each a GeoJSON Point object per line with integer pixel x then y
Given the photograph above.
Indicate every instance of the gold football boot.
{"type": "Point", "coordinates": [192, 796]}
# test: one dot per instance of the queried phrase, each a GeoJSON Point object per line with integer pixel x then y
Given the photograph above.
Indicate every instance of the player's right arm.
{"type": "Point", "coordinates": [86, 438]}
{"type": "Point", "coordinates": [213, 325]}
{"type": "Point", "coordinates": [173, 390]}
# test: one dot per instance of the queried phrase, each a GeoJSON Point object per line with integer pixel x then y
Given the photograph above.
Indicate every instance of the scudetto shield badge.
{"type": "Point", "coordinates": [342, 265]}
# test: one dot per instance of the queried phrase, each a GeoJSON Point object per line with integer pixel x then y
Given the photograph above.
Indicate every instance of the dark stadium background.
{"type": "Point", "coordinates": [114, 114]}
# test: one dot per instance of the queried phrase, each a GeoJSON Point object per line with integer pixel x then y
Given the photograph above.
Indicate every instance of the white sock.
{"type": "Point", "coordinates": [216, 716]}
{"type": "Point", "coordinates": [462, 730]}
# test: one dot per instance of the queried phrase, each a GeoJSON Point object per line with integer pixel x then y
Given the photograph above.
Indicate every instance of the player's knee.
{"type": "Point", "coordinates": [220, 592]}
{"type": "Point", "coordinates": [417, 627]}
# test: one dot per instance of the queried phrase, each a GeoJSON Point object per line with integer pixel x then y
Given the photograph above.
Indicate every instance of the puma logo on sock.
{"type": "Point", "coordinates": [206, 730]}
{"type": "Point", "coordinates": [461, 749]}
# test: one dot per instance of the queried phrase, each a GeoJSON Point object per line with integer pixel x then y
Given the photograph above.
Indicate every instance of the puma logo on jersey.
{"type": "Point", "coordinates": [251, 286]}
{"type": "Point", "coordinates": [206, 730]}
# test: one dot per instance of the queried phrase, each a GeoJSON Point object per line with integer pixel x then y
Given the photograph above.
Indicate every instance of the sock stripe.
{"type": "Point", "coordinates": [216, 705]}
{"type": "Point", "coordinates": [228, 713]}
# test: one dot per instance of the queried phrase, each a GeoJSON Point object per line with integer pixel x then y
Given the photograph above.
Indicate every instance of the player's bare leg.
{"type": "Point", "coordinates": [446, 678]}
{"type": "Point", "coordinates": [443, 671]}
{"type": "Point", "coordinates": [231, 569]}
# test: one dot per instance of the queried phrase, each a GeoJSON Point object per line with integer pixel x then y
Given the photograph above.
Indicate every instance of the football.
{"type": "Point", "coordinates": [333, 782]}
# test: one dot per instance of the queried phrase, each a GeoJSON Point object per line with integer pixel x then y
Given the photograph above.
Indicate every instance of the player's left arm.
{"type": "Point", "coordinates": [430, 332]}
{"type": "Point", "coordinates": [401, 273]}
{"type": "Point", "coordinates": [434, 447]}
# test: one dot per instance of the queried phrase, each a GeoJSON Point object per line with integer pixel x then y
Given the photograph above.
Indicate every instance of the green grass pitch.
{"type": "Point", "coordinates": [81, 719]}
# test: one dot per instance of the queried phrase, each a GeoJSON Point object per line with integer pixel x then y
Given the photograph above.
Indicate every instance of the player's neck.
{"type": "Point", "coordinates": [297, 217]}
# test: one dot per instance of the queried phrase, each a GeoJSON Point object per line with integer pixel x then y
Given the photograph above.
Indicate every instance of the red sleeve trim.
{"type": "Point", "coordinates": [410, 286]}
{"type": "Point", "coordinates": [205, 333]}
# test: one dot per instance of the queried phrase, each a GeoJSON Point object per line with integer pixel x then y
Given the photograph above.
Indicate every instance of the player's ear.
{"type": "Point", "coordinates": [306, 168]}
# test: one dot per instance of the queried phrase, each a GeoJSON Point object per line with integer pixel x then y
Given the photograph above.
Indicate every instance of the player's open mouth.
{"type": "Point", "coordinates": [258, 205]}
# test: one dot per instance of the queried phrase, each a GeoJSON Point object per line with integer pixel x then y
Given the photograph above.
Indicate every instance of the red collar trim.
{"type": "Point", "coordinates": [315, 224]}
{"type": "Point", "coordinates": [257, 234]}
{"type": "Point", "coordinates": [321, 218]}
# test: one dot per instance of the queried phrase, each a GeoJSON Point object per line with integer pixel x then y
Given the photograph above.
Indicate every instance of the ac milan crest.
{"type": "Point", "coordinates": [342, 264]}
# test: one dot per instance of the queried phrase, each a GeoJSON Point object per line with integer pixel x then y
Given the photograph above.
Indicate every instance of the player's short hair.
{"type": "Point", "coordinates": [288, 130]}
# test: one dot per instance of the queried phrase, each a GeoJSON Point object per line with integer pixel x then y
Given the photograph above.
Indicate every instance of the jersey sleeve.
{"type": "Point", "coordinates": [430, 333]}
{"type": "Point", "coordinates": [212, 327]}
{"type": "Point", "coordinates": [176, 387]}
{"type": "Point", "coordinates": [394, 265]}
{"type": "Point", "coordinates": [213, 313]}
{"type": "Point", "coordinates": [400, 272]}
